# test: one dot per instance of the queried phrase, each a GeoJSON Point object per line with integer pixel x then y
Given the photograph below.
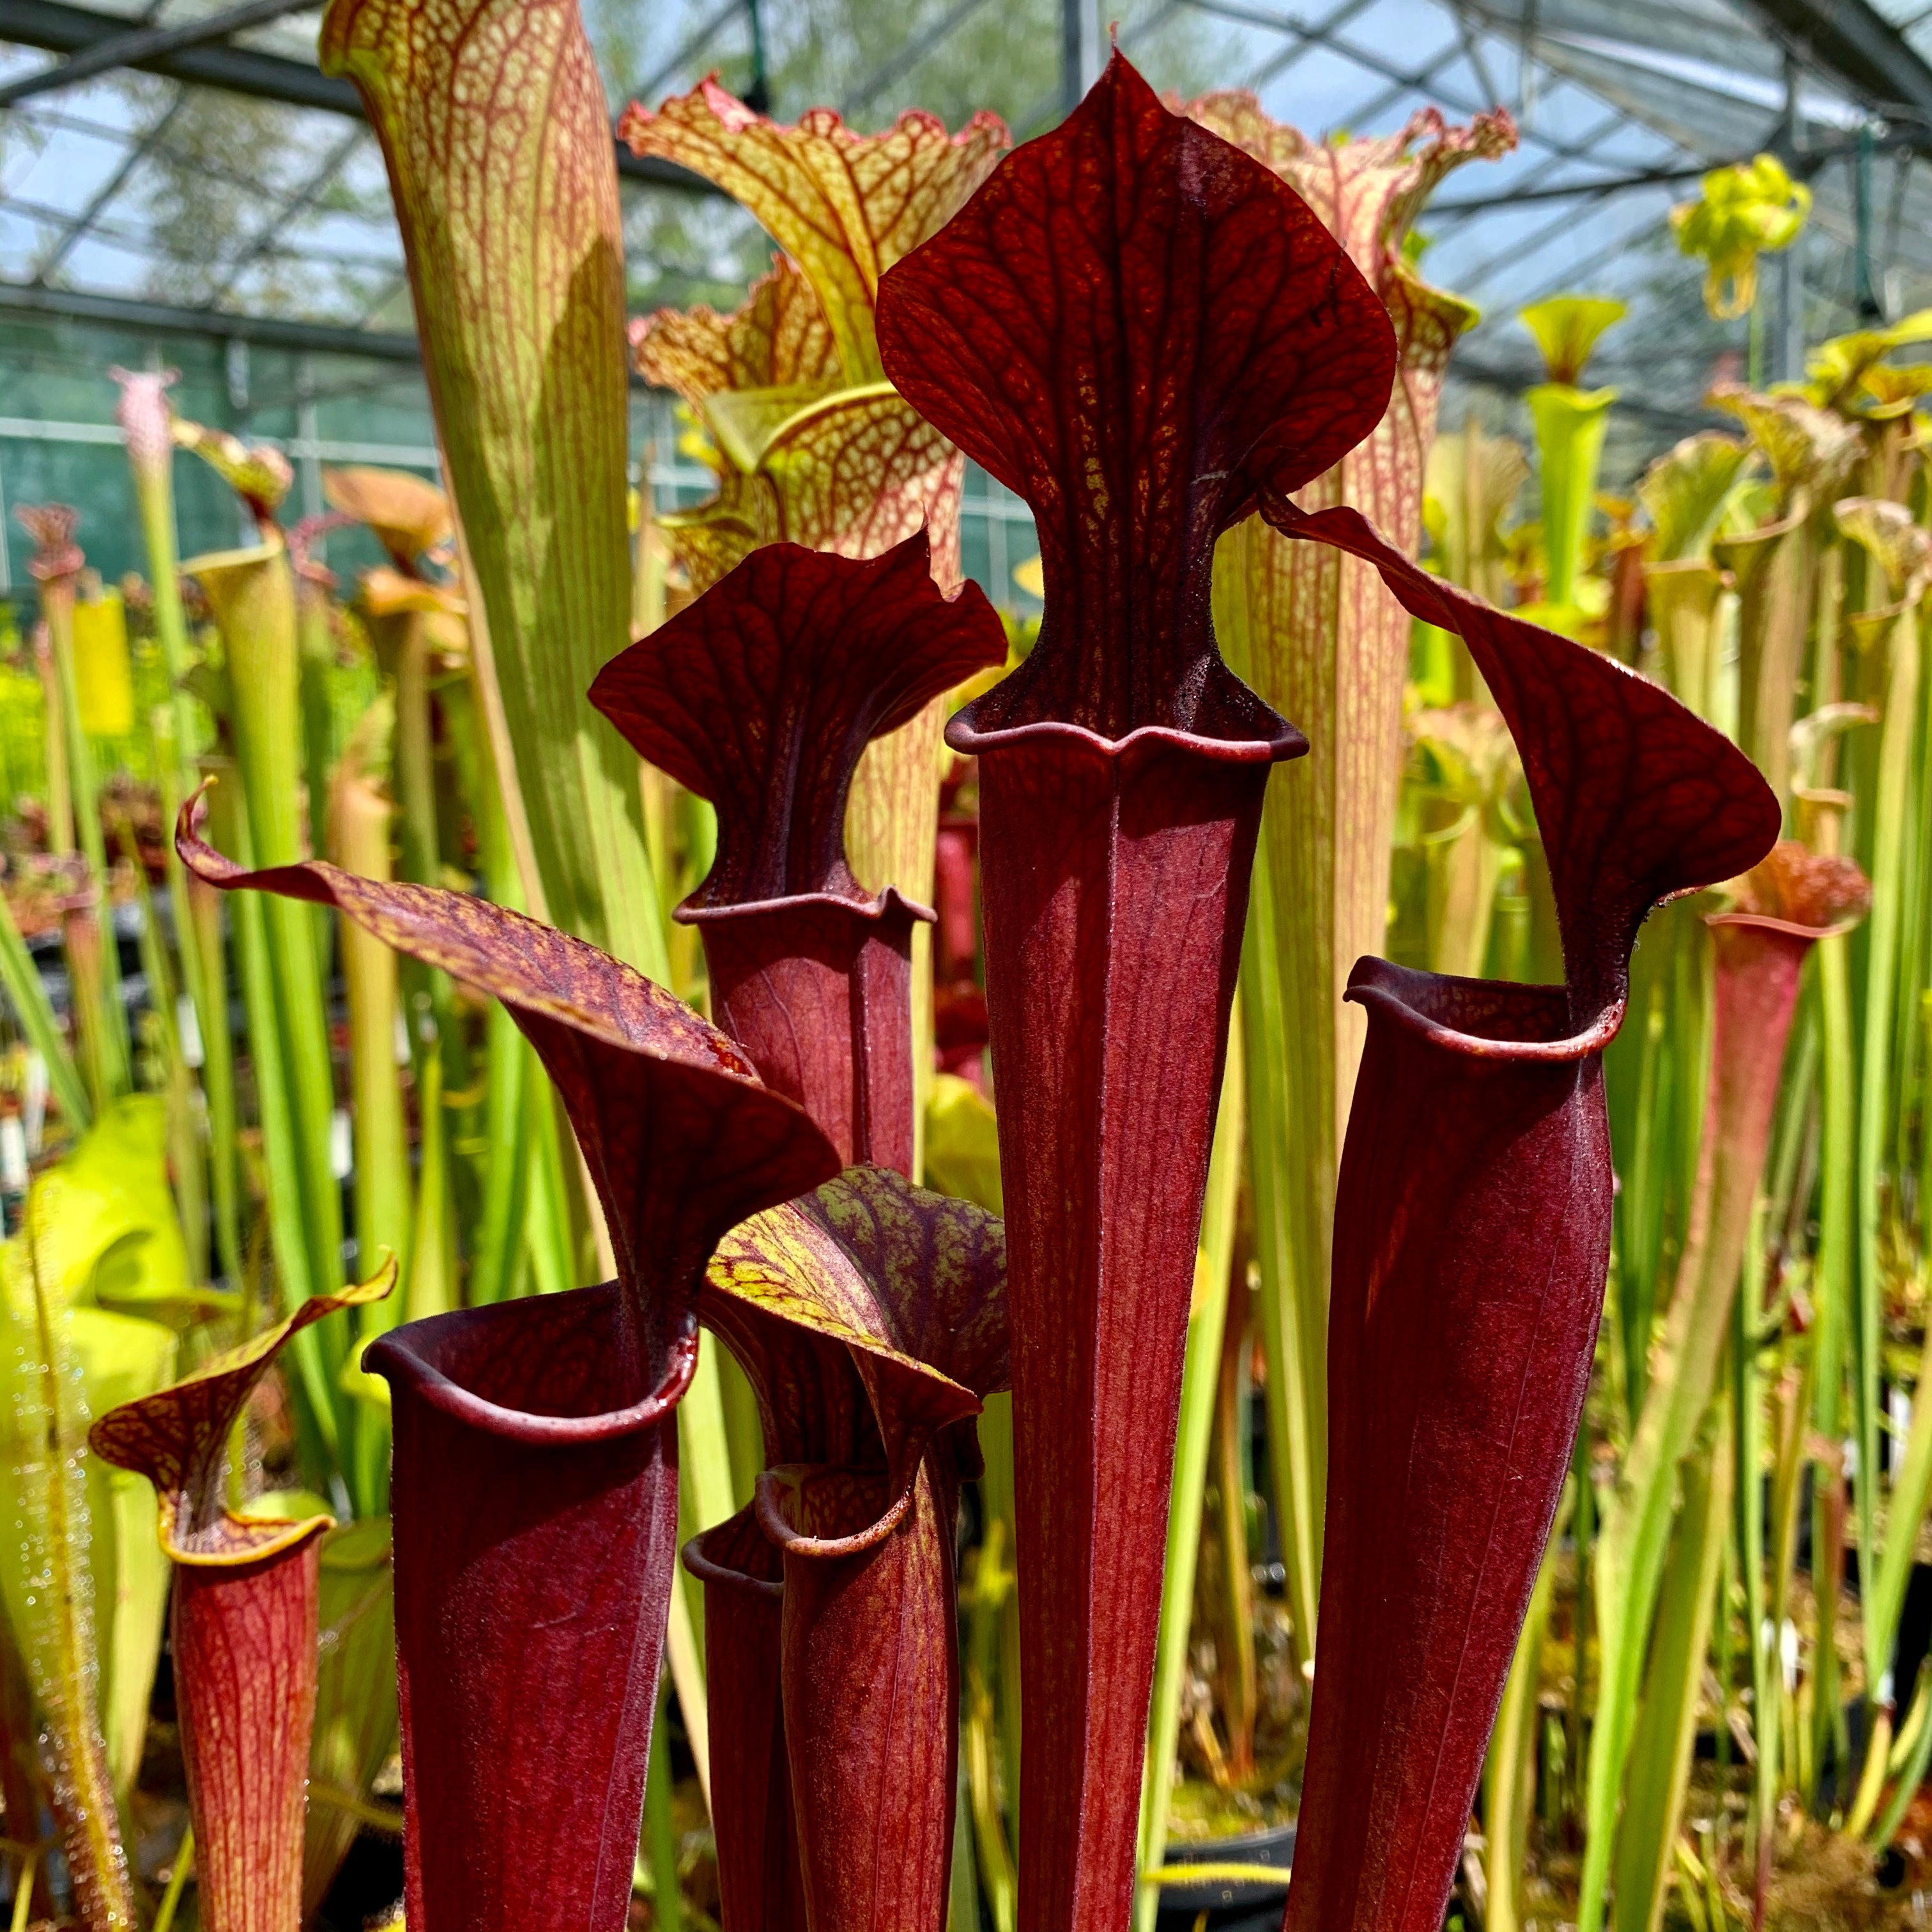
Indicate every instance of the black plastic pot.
{"type": "Point", "coordinates": [1230, 1908]}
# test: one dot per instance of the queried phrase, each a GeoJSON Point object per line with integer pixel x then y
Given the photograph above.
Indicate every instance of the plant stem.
{"type": "Point", "coordinates": [421, 854]}
{"type": "Point", "coordinates": [104, 981]}
{"type": "Point", "coordinates": [1665, 1734]}
{"type": "Point", "coordinates": [988, 1604]}
{"type": "Point", "coordinates": [1911, 1493]}
{"type": "Point", "coordinates": [359, 817]}
{"type": "Point", "coordinates": [203, 971]}
{"type": "Point", "coordinates": [661, 1832]}
{"type": "Point", "coordinates": [547, 1237]}
{"type": "Point", "coordinates": [1747, 1512]}
{"type": "Point", "coordinates": [82, 939]}
{"type": "Point", "coordinates": [60, 780]}
{"type": "Point", "coordinates": [962, 1898]}
{"type": "Point", "coordinates": [23, 1890]}
{"type": "Point", "coordinates": [198, 909]}
{"type": "Point", "coordinates": [1583, 1537]}
{"type": "Point", "coordinates": [1001, 1636]}
{"type": "Point", "coordinates": [1912, 1773]}
{"type": "Point", "coordinates": [1640, 1202]}
{"type": "Point", "coordinates": [187, 1150]}
{"type": "Point", "coordinates": [28, 996]}
{"type": "Point", "coordinates": [315, 644]}
{"type": "Point", "coordinates": [1292, 1309]}
{"type": "Point", "coordinates": [1832, 1289]}
{"type": "Point", "coordinates": [164, 1917]}
{"type": "Point", "coordinates": [432, 1282]}
{"type": "Point", "coordinates": [252, 594]}
{"type": "Point", "coordinates": [279, 1141]}
{"type": "Point", "coordinates": [1236, 1674]}
{"type": "Point", "coordinates": [1201, 1377]}
{"type": "Point", "coordinates": [506, 1174]}
{"type": "Point", "coordinates": [1509, 1778]}
{"type": "Point", "coordinates": [1890, 806]}
{"type": "Point", "coordinates": [84, 1791]}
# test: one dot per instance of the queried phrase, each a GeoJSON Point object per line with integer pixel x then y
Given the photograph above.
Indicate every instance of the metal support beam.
{"type": "Point", "coordinates": [264, 331]}
{"type": "Point", "coordinates": [692, 46]}
{"type": "Point", "coordinates": [1791, 261]}
{"type": "Point", "coordinates": [1588, 191]}
{"type": "Point", "coordinates": [1047, 110]}
{"type": "Point", "coordinates": [896, 67]}
{"type": "Point", "coordinates": [1401, 79]}
{"type": "Point", "coordinates": [63, 244]}
{"type": "Point", "coordinates": [240, 331]}
{"type": "Point", "coordinates": [278, 218]}
{"type": "Point", "coordinates": [58, 27]}
{"type": "Point", "coordinates": [147, 44]}
{"type": "Point", "coordinates": [1467, 368]}
{"type": "Point", "coordinates": [1860, 46]}
{"type": "Point", "coordinates": [1081, 57]}
{"type": "Point", "coordinates": [1313, 38]}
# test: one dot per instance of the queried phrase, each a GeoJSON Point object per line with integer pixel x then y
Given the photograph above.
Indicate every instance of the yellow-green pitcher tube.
{"type": "Point", "coordinates": [1570, 425]}
{"type": "Point", "coordinates": [252, 594]}
{"type": "Point", "coordinates": [100, 1017]}
{"type": "Point", "coordinates": [519, 295]}
{"type": "Point", "coordinates": [147, 429]}
{"type": "Point", "coordinates": [359, 820]}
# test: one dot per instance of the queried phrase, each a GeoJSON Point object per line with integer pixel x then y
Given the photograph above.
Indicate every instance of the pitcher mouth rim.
{"type": "Point", "coordinates": [963, 736]}
{"type": "Point", "coordinates": [874, 909]}
{"type": "Point", "coordinates": [396, 1358]}
{"type": "Point", "coordinates": [708, 1570]}
{"type": "Point", "coordinates": [1383, 987]}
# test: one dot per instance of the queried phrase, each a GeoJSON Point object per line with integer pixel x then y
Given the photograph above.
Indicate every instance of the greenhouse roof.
{"type": "Point", "coordinates": [198, 172]}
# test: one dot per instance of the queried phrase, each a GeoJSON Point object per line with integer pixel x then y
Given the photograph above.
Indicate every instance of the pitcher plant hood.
{"type": "Point", "coordinates": [1472, 1239]}
{"type": "Point", "coordinates": [1126, 314]}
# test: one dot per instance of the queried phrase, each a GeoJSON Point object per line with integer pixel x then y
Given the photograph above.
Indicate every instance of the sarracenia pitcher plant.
{"type": "Point", "coordinates": [1149, 335]}
{"type": "Point", "coordinates": [520, 303]}
{"type": "Point", "coordinates": [1570, 425]}
{"type": "Point", "coordinates": [854, 1527]}
{"type": "Point", "coordinates": [1685, 494]}
{"type": "Point", "coordinates": [871, 1319]}
{"type": "Point", "coordinates": [243, 1627]}
{"type": "Point", "coordinates": [811, 444]}
{"type": "Point", "coordinates": [1467, 1288]}
{"type": "Point", "coordinates": [761, 697]}
{"type": "Point", "coordinates": [1781, 909]}
{"type": "Point", "coordinates": [535, 1489]}
{"type": "Point", "coordinates": [1810, 451]}
{"type": "Point", "coordinates": [1124, 313]}
{"type": "Point", "coordinates": [1235, 353]}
